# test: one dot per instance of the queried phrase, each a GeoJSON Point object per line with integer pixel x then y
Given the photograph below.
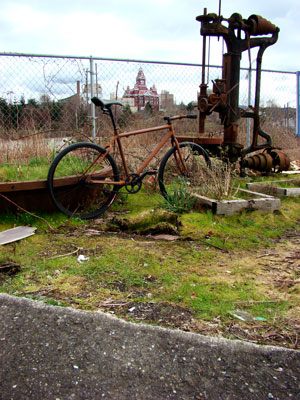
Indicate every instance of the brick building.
{"type": "Point", "coordinates": [141, 94]}
{"type": "Point", "coordinates": [166, 100]}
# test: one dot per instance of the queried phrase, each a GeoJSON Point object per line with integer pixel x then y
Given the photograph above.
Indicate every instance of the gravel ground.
{"type": "Point", "coordinates": [56, 353]}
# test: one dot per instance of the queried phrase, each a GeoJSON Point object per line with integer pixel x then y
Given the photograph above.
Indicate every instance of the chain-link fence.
{"type": "Point", "coordinates": [52, 93]}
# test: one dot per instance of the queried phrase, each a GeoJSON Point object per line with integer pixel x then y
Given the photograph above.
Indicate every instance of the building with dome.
{"type": "Point", "coordinates": [141, 94]}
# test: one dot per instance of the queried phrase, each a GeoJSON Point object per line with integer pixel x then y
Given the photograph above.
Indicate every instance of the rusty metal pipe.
{"type": "Point", "coordinates": [204, 53]}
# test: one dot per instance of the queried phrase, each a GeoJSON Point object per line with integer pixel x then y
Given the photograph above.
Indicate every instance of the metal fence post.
{"type": "Point", "coordinates": [298, 103]}
{"type": "Point", "coordinates": [92, 95]}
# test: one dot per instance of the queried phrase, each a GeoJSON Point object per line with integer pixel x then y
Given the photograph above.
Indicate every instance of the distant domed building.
{"type": "Point", "coordinates": [141, 94]}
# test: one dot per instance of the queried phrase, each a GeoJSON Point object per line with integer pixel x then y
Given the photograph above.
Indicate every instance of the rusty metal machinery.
{"type": "Point", "coordinates": [239, 35]}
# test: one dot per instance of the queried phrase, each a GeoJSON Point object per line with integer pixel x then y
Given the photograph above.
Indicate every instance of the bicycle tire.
{"type": "Point", "coordinates": [171, 170]}
{"type": "Point", "coordinates": [67, 184]}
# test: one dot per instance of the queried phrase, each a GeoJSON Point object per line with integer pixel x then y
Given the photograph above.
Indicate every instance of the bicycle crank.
{"type": "Point", "coordinates": [133, 183]}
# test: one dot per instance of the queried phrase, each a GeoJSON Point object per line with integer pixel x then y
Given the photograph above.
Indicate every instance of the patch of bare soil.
{"type": "Point", "coordinates": [163, 313]}
{"type": "Point", "coordinates": [172, 316]}
{"type": "Point", "coordinates": [8, 269]}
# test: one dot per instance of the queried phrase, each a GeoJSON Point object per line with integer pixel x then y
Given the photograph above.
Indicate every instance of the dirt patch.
{"type": "Point", "coordinates": [172, 316]}
{"type": "Point", "coordinates": [8, 269]}
{"type": "Point", "coordinates": [163, 313]}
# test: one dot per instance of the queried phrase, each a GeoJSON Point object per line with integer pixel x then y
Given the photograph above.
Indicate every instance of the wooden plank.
{"type": "Point", "coordinates": [292, 191]}
{"type": "Point", "coordinates": [14, 234]}
{"type": "Point", "coordinates": [267, 189]}
{"type": "Point", "coordinates": [273, 190]}
{"type": "Point", "coordinates": [22, 185]}
{"type": "Point", "coordinates": [42, 183]}
{"type": "Point", "coordinates": [229, 207]}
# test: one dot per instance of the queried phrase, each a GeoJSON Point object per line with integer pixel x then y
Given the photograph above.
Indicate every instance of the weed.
{"type": "Point", "coordinates": [217, 181]}
{"type": "Point", "coordinates": [179, 198]}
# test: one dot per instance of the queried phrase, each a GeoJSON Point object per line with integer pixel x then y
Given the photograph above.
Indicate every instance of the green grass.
{"type": "Point", "coordinates": [178, 199]}
{"type": "Point", "coordinates": [181, 274]}
{"type": "Point", "coordinates": [36, 168]}
{"type": "Point", "coordinates": [55, 219]}
{"type": "Point", "coordinates": [244, 231]}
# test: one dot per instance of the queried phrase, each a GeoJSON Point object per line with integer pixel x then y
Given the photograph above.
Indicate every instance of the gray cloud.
{"type": "Point", "coordinates": [151, 29]}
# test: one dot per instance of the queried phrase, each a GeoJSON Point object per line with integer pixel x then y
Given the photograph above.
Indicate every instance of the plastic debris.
{"type": "Point", "coordinates": [81, 258]}
{"type": "Point", "coordinates": [245, 316]}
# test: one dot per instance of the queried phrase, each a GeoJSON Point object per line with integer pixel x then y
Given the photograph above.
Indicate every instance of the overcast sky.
{"type": "Point", "coordinates": [163, 30]}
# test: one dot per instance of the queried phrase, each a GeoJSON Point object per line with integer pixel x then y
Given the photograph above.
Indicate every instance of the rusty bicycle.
{"type": "Point", "coordinates": [84, 178]}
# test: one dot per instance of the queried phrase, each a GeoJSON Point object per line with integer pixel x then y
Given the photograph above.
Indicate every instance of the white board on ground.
{"type": "Point", "coordinates": [14, 234]}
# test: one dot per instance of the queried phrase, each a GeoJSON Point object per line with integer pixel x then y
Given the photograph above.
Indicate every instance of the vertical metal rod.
{"type": "Point", "coordinates": [97, 89]}
{"type": "Point", "coordinates": [298, 102]}
{"type": "Point", "coordinates": [208, 59]}
{"type": "Point", "coordinates": [116, 96]}
{"type": "Point", "coordinates": [258, 77]}
{"type": "Point", "coordinates": [249, 103]}
{"type": "Point", "coordinates": [87, 87]}
{"type": "Point", "coordinates": [204, 54]}
{"type": "Point", "coordinates": [92, 95]}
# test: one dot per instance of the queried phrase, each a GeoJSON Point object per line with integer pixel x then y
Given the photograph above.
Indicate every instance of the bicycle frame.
{"type": "Point", "coordinates": [118, 138]}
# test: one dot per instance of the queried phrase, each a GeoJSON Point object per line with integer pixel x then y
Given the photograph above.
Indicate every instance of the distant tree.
{"type": "Point", "coordinates": [3, 106]}
{"type": "Point", "coordinates": [22, 101]}
{"type": "Point", "coordinates": [181, 107]}
{"type": "Point", "coordinates": [148, 108]}
{"type": "Point", "coordinates": [55, 110]}
{"type": "Point", "coordinates": [125, 116]}
{"type": "Point", "coordinates": [45, 99]}
{"type": "Point", "coordinates": [4, 113]}
{"type": "Point", "coordinates": [33, 102]}
{"type": "Point", "coordinates": [190, 106]}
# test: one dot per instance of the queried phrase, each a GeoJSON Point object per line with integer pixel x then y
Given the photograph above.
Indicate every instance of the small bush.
{"type": "Point", "coordinates": [216, 181]}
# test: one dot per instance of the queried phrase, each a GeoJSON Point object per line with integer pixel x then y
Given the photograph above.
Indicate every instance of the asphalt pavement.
{"type": "Point", "coordinates": [58, 353]}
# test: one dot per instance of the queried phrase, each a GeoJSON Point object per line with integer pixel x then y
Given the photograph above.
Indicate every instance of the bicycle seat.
{"type": "Point", "coordinates": [105, 103]}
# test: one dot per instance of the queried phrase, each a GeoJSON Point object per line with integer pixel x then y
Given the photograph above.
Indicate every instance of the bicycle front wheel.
{"type": "Point", "coordinates": [71, 179]}
{"type": "Point", "coordinates": [174, 171]}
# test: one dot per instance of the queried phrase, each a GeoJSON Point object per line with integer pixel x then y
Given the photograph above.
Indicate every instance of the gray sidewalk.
{"type": "Point", "coordinates": [59, 353]}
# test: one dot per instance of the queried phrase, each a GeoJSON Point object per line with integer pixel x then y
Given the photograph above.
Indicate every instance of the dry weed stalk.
{"type": "Point", "coordinates": [21, 151]}
{"type": "Point", "coordinates": [216, 182]}
{"type": "Point", "coordinates": [282, 137]}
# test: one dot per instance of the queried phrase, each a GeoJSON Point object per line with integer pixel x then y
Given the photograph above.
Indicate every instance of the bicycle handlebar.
{"type": "Point", "coordinates": [192, 116]}
{"type": "Point", "coordinates": [189, 116]}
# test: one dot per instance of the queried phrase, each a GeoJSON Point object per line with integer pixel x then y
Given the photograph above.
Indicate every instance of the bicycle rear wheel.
{"type": "Point", "coordinates": [172, 173]}
{"type": "Point", "coordinates": [67, 180]}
